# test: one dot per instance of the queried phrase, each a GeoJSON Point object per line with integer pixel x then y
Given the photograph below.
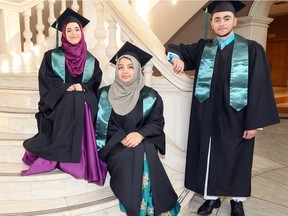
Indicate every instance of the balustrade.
{"type": "Point", "coordinates": [108, 34]}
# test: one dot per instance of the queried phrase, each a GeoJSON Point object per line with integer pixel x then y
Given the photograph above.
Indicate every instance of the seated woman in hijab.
{"type": "Point", "coordinates": [129, 136]}
{"type": "Point", "coordinates": [69, 76]}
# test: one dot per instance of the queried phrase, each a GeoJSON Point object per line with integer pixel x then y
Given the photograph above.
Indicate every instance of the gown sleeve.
{"type": "Point", "coordinates": [188, 53]}
{"type": "Point", "coordinates": [153, 128]}
{"type": "Point", "coordinates": [93, 84]}
{"type": "Point", "coordinates": [51, 87]}
{"type": "Point", "coordinates": [155, 121]}
{"type": "Point", "coordinates": [261, 108]}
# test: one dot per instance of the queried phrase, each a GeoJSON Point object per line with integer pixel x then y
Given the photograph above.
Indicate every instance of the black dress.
{"type": "Point", "coordinates": [125, 165]}
{"type": "Point", "coordinates": [61, 113]}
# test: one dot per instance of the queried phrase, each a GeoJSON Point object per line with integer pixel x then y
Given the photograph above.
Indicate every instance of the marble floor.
{"type": "Point", "coordinates": [270, 176]}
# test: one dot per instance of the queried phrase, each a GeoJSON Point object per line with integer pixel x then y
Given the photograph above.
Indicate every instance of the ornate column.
{"type": "Point", "coordinates": [75, 6]}
{"type": "Point", "coordinates": [148, 72]}
{"type": "Point", "coordinates": [112, 47]}
{"type": "Point", "coordinates": [100, 32]}
{"type": "Point", "coordinates": [40, 26]}
{"type": "Point", "coordinates": [254, 28]}
{"type": "Point", "coordinates": [51, 18]}
{"type": "Point", "coordinates": [27, 34]}
{"type": "Point", "coordinates": [63, 6]}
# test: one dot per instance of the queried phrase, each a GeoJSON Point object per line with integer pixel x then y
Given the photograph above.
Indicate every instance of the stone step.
{"type": "Point", "coordinates": [18, 99]}
{"type": "Point", "coordinates": [18, 122]}
{"type": "Point", "coordinates": [100, 203]}
{"type": "Point", "coordinates": [21, 81]}
{"type": "Point", "coordinates": [11, 147]}
{"type": "Point", "coordinates": [50, 185]}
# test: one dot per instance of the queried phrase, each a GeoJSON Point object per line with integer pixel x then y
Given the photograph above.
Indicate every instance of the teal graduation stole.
{"type": "Point", "coordinates": [238, 77]}
{"type": "Point", "coordinates": [58, 65]}
{"type": "Point", "coordinates": [104, 112]}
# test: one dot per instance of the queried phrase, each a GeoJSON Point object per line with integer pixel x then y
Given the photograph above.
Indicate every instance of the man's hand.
{"type": "Point", "coordinates": [249, 134]}
{"type": "Point", "coordinates": [178, 65]}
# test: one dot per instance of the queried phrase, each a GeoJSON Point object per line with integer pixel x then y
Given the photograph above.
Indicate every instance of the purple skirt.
{"type": "Point", "coordinates": [90, 168]}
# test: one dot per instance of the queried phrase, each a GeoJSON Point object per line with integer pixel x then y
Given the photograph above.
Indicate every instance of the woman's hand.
{"type": "Point", "coordinates": [132, 140]}
{"type": "Point", "coordinates": [75, 87]}
{"type": "Point", "coordinates": [71, 88]}
{"type": "Point", "coordinates": [78, 87]}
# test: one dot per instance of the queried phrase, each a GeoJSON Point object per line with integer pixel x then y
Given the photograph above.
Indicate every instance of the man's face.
{"type": "Point", "coordinates": [223, 23]}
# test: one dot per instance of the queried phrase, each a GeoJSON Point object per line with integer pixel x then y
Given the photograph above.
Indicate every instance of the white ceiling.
{"type": "Point", "coordinates": [279, 8]}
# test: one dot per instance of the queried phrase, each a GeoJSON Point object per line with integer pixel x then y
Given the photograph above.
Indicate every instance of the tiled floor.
{"type": "Point", "coordinates": [270, 176]}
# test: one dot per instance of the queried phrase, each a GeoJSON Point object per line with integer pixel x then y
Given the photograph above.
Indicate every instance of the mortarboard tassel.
{"type": "Point", "coordinates": [57, 35]}
{"type": "Point", "coordinates": [206, 23]}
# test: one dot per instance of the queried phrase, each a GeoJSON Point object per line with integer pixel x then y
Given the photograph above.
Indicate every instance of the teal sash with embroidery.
{"type": "Point", "coordinates": [58, 65]}
{"type": "Point", "coordinates": [238, 77]}
{"type": "Point", "coordinates": [104, 112]}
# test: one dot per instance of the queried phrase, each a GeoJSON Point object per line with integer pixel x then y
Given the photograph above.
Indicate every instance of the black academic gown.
{"type": "Point", "coordinates": [125, 165]}
{"type": "Point", "coordinates": [231, 156]}
{"type": "Point", "coordinates": [61, 113]}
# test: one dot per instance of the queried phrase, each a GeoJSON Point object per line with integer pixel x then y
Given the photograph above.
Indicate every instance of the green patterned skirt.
{"type": "Point", "coordinates": [147, 207]}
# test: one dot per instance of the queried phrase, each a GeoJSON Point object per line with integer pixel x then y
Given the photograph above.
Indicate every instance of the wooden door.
{"type": "Point", "coordinates": [277, 53]}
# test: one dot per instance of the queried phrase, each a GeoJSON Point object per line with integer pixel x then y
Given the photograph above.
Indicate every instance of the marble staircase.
{"type": "Point", "coordinates": [53, 193]}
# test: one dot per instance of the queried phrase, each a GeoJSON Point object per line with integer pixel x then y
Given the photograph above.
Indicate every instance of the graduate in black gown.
{"type": "Point", "coordinates": [232, 99]}
{"type": "Point", "coordinates": [69, 78]}
{"type": "Point", "coordinates": [129, 136]}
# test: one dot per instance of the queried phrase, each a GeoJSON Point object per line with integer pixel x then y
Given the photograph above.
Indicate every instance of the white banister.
{"type": "Point", "coordinates": [51, 18]}
{"type": "Point", "coordinates": [141, 35]}
{"type": "Point", "coordinates": [100, 32]}
{"type": "Point", "coordinates": [148, 73]}
{"type": "Point", "coordinates": [63, 6]}
{"type": "Point", "coordinates": [40, 38]}
{"type": "Point", "coordinates": [75, 6]}
{"type": "Point", "coordinates": [27, 34]}
{"type": "Point", "coordinates": [112, 47]}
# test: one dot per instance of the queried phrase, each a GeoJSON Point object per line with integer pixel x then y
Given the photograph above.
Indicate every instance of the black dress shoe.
{"type": "Point", "coordinates": [237, 208]}
{"type": "Point", "coordinates": [207, 207]}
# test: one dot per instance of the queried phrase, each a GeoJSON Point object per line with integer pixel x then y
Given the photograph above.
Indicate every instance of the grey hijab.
{"type": "Point", "coordinates": [124, 96]}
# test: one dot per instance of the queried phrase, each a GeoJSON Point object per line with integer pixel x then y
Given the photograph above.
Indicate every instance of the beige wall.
{"type": "Point", "coordinates": [193, 30]}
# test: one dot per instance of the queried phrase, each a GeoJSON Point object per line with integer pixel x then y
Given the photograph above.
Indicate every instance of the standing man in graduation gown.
{"type": "Point", "coordinates": [69, 77]}
{"type": "Point", "coordinates": [130, 134]}
{"type": "Point", "coordinates": [232, 99]}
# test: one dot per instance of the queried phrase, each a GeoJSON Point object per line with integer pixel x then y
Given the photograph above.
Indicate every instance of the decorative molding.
{"type": "Point", "coordinates": [254, 21]}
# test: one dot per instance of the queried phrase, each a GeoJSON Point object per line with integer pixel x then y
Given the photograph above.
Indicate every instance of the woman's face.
{"type": "Point", "coordinates": [73, 33]}
{"type": "Point", "coordinates": [125, 70]}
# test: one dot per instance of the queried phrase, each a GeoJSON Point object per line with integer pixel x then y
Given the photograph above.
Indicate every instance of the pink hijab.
{"type": "Point", "coordinates": [75, 55]}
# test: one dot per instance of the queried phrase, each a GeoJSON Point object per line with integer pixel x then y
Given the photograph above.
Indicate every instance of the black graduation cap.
{"type": "Point", "coordinates": [68, 16]}
{"type": "Point", "coordinates": [130, 49]}
{"type": "Point", "coordinates": [220, 6]}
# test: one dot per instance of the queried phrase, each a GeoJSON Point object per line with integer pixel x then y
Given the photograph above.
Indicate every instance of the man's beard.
{"type": "Point", "coordinates": [221, 36]}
